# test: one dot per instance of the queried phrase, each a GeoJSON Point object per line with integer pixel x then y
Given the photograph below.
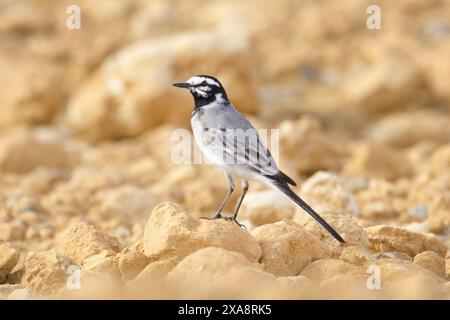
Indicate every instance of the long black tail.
{"type": "Point", "coordinates": [302, 204]}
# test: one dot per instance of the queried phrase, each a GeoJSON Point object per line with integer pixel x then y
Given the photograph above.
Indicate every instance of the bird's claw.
{"type": "Point", "coordinates": [217, 216]}
{"type": "Point", "coordinates": [233, 219]}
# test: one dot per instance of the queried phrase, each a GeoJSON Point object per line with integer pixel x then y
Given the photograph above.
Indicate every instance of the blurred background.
{"type": "Point", "coordinates": [86, 114]}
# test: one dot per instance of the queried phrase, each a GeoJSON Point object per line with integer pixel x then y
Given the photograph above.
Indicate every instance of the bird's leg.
{"type": "Point", "coordinates": [230, 191]}
{"type": "Point", "coordinates": [238, 205]}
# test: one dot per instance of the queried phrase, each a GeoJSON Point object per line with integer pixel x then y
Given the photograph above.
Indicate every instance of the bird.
{"type": "Point", "coordinates": [230, 142]}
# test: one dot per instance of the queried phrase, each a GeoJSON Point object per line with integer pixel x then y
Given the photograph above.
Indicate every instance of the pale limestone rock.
{"type": "Point", "coordinates": [377, 160]}
{"type": "Point", "coordinates": [268, 206]}
{"type": "Point", "coordinates": [171, 233]}
{"type": "Point", "coordinates": [82, 241]}
{"type": "Point", "coordinates": [389, 238]}
{"type": "Point", "coordinates": [46, 271]}
{"type": "Point", "coordinates": [287, 247]}
{"type": "Point", "coordinates": [326, 193]}
{"type": "Point", "coordinates": [346, 226]}
{"type": "Point", "coordinates": [9, 256]}
{"type": "Point", "coordinates": [432, 261]}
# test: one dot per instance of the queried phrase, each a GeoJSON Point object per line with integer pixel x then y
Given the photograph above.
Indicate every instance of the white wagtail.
{"type": "Point", "coordinates": [229, 141]}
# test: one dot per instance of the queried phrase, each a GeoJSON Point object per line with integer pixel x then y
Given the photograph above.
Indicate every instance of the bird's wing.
{"type": "Point", "coordinates": [238, 142]}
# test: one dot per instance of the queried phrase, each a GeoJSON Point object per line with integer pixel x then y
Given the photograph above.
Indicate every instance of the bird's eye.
{"type": "Point", "coordinates": [204, 83]}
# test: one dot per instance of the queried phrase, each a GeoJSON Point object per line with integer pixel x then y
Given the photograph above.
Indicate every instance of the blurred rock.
{"type": "Point", "coordinates": [377, 160]}
{"type": "Point", "coordinates": [440, 161]}
{"type": "Point", "coordinates": [127, 203]}
{"type": "Point", "coordinates": [405, 129]}
{"type": "Point", "coordinates": [131, 262]}
{"type": "Point", "coordinates": [389, 238]}
{"type": "Point", "coordinates": [82, 241]}
{"type": "Point", "coordinates": [13, 230]}
{"type": "Point", "coordinates": [7, 289]}
{"type": "Point", "coordinates": [326, 193]}
{"type": "Point", "coordinates": [407, 279]}
{"type": "Point", "coordinates": [378, 200]}
{"type": "Point", "coordinates": [131, 95]}
{"type": "Point", "coordinates": [439, 215]}
{"type": "Point", "coordinates": [21, 294]}
{"type": "Point", "coordinates": [8, 259]}
{"type": "Point", "coordinates": [356, 255]}
{"type": "Point", "coordinates": [220, 271]}
{"type": "Point", "coordinates": [103, 262]}
{"type": "Point", "coordinates": [268, 206]}
{"type": "Point", "coordinates": [171, 233]}
{"type": "Point", "coordinates": [155, 272]}
{"type": "Point", "coordinates": [23, 150]}
{"type": "Point", "coordinates": [432, 261]}
{"type": "Point", "coordinates": [305, 143]}
{"type": "Point", "coordinates": [346, 226]}
{"type": "Point", "coordinates": [287, 247]}
{"type": "Point", "coordinates": [45, 271]}
{"type": "Point", "coordinates": [324, 269]}
{"type": "Point", "coordinates": [31, 90]}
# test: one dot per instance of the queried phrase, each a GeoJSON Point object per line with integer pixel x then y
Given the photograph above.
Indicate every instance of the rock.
{"type": "Point", "coordinates": [440, 162]}
{"type": "Point", "coordinates": [12, 231]}
{"type": "Point", "coordinates": [432, 261]}
{"type": "Point", "coordinates": [131, 262]}
{"type": "Point", "coordinates": [392, 270]}
{"type": "Point", "coordinates": [425, 187]}
{"type": "Point", "coordinates": [32, 91]}
{"type": "Point", "coordinates": [346, 286]}
{"type": "Point", "coordinates": [23, 150]}
{"type": "Point", "coordinates": [128, 203]}
{"type": "Point", "coordinates": [324, 269]}
{"type": "Point", "coordinates": [8, 259]}
{"type": "Point", "coordinates": [221, 273]}
{"type": "Point", "coordinates": [287, 247]}
{"type": "Point", "coordinates": [73, 197]}
{"type": "Point", "coordinates": [439, 213]}
{"type": "Point", "coordinates": [103, 262]}
{"type": "Point", "coordinates": [171, 233]}
{"type": "Point", "coordinates": [377, 160]}
{"type": "Point", "coordinates": [356, 255]}
{"type": "Point", "coordinates": [346, 226]}
{"type": "Point", "coordinates": [21, 294]}
{"type": "Point", "coordinates": [445, 288]}
{"type": "Point", "coordinates": [268, 206]}
{"type": "Point", "coordinates": [394, 255]}
{"type": "Point", "coordinates": [128, 88]}
{"type": "Point", "coordinates": [82, 241]}
{"type": "Point", "coordinates": [309, 149]}
{"type": "Point", "coordinates": [388, 238]}
{"type": "Point", "coordinates": [378, 200]}
{"type": "Point", "coordinates": [155, 272]}
{"type": "Point", "coordinates": [405, 129]}
{"type": "Point", "coordinates": [326, 194]}
{"type": "Point", "coordinates": [45, 271]}
{"type": "Point", "coordinates": [407, 280]}
{"type": "Point", "coordinates": [7, 289]}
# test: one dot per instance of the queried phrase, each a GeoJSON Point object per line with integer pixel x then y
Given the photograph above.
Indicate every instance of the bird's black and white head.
{"type": "Point", "coordinates": [205, 90]}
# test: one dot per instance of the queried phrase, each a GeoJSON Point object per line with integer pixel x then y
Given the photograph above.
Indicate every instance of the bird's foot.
{"type": "Point", "coordinates": [233, 219]}
{"type": "Point", "coordinates": [217, 216]}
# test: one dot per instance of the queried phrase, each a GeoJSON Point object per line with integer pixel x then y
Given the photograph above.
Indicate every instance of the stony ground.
{"type": "Point", "coordinates": [88, 188]}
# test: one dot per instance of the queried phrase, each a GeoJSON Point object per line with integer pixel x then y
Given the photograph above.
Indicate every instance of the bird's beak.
{"type": "Point", "coordinates": [182, 85]}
